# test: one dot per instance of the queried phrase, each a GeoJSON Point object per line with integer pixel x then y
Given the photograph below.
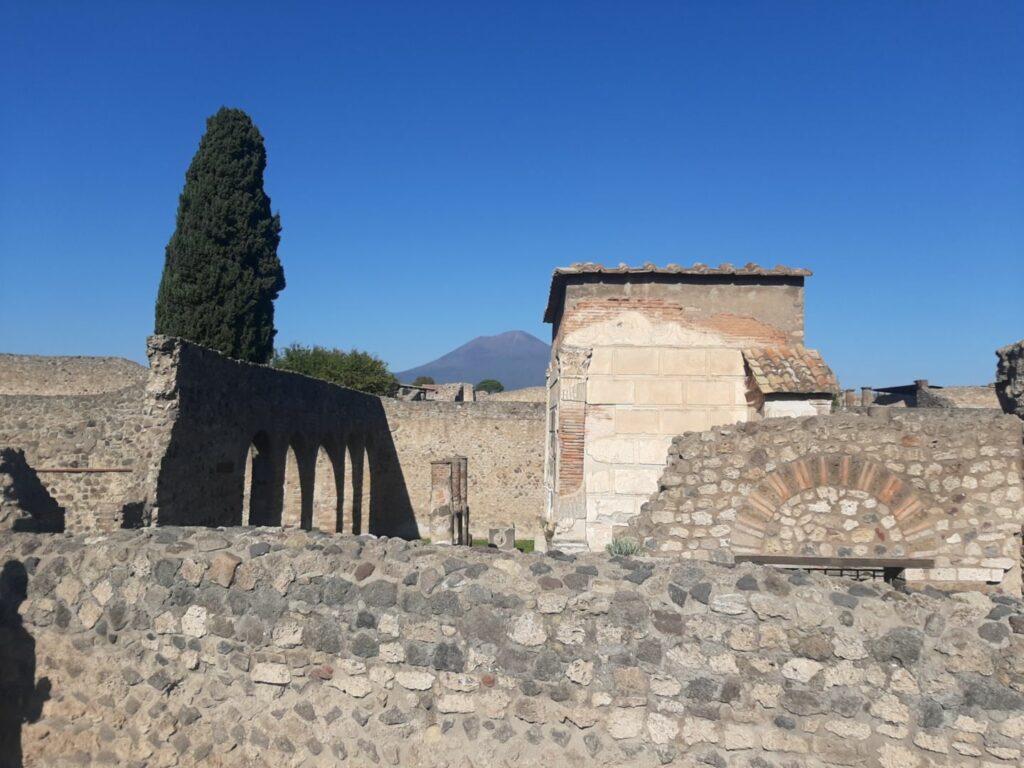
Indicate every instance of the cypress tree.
{"type": "Point", "coordinates": [221, 271]}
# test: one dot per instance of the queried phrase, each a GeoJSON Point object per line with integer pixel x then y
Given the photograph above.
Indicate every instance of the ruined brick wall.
{"type": "Point", "coordinates": [504, 443]}
{"type": "Point", "coordinates": [46, 375]}
{"type": "Point", "coordinates": [268, 648]}
{"type": "Point", "coordinates": [88, 451]}
{"type": "Point", "coordinates": [918, 483]}
{"type": "Point", "coordinates": [768, 311]}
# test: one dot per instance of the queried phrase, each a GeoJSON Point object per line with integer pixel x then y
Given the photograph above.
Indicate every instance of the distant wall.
{"type": "Point", "coordinates": [524, 395]}
{"type": "Point", "coordinates": [900, 483]}
{"type": "Point", "coordinates": [284, 648]}
{"type": "Point", "coordinates": [361, 463]}
{"type": "Point", "coordinates": [43, 375]}
{"type": "Point", "coordinates": [89, 451]}
{"type": "Point", "coordinates": [200, 439]}
{"type": "Point", "coordinates": [251, 444]}
{"type": "Point", "coordinates": [504, 443]}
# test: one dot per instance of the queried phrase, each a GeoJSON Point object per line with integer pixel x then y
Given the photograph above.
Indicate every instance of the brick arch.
{"type": "Point", "coordinates": [787, 481]}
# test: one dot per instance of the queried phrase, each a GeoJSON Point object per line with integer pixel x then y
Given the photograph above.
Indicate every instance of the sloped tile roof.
{"type": "Point", "coordinates": [790, 370]}
{"type": "Point", "coordinates": [560, 275]}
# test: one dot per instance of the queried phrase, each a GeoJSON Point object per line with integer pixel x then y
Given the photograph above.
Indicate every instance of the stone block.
{"type": "Point", "coordinates": [609, 391]}
{"type": "Point", "coordinates": [634, 421]}
{"type": "Point", "coordinates": [684, 362]}
{"type": "Point", "coordinates": [658, 392]}
{"type": "Point", "coordinates": [722, 416]}
{"type": "Point", "coordinates": [600, 360]}
{"type": "Point", "coordinates": [636, 481]}
{"type": "Point", "coordinates": [222, 568]}
{"type": "Point", "coordinates": [675, 422]}
{"type": "Point", "coordinates": [502, 538]}
{"type": "Point", "coordinates": [725, 362]}
{"type": "Point", "coordinates": [598, 481]}
{"type": "Point", "coordinates": [615, 450]}
{"type": "Point", "coordinates": [641, 361]}
{"type": "Point", "coordinates": [710, 392]}
{"type": "Point", "coordinates": [652, 450]}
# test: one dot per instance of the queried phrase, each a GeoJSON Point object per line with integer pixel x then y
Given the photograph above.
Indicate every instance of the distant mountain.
{"type": "Point", "coordinates": [515, 358]}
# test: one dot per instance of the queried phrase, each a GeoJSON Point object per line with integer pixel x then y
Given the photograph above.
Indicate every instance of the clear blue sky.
{"type": "Point", "coordinates": [433, 162]}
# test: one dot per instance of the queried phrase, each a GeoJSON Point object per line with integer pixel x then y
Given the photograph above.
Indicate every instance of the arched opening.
{"type": "Point", "coordinates": [258, 485]}
{"type": "Point", "coordinates": [291, 508]}
{"type": "Point", "coordinates": [355, 480]}
{"type": "Point", "coordinates": [326, 510]}
{"type": "Point", "coordinates": [369, 520]}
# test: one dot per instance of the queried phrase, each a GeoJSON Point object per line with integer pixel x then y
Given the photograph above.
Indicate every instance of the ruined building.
{"type": "Point", "coordinates": [640, 355]}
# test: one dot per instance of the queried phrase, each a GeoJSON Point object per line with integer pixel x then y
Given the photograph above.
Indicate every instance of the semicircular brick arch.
{"type": "Point", "coordinates": [813, 483]}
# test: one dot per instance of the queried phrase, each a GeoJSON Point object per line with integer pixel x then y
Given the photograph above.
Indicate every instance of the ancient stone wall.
{"type": "Point", "coordinates": [504, 443]}
{"type": "Point", "coordinates": [251, 444]}
{"type": "Point", "coordinates": [44, 375]}
{"type": "Point", "coordinates": [1010, 378]}
{"type": "Point", "coordinates": [203, 439]}
{"type": "Point", "coordinates": [285, 648]}
{"type": "Point", "coordinates": [910, 483]}
{"type": "Point", "coordinates": [524, 395]}
{"type": "Point", "coordinates": [88, 450]}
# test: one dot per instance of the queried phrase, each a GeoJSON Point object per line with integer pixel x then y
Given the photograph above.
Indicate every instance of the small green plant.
{"type": "Point", "coordinates": [623, 546]}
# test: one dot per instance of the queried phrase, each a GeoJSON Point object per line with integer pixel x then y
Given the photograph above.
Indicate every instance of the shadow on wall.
{"type": "Point", "coordinates": [25, 504]}
{"type": "Point", "coordinates": [345, 480]}
{"type": "Point", "coordinates": [251, 445]}
{"type": "Point", "coordinates": [21, 698]}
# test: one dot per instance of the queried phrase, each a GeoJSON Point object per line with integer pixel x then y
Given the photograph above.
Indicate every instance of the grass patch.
{"type": "Point", "coordinates": [523, 545]}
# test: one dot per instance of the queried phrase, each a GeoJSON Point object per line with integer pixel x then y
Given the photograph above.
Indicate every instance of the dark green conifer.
{"type": "Point", "coordinates": [221, 271]}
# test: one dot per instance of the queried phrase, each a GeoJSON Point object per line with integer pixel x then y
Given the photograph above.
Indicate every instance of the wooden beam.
{"type": "Point", "coordinates": [837, 562]}
{"type": "Point", "coordinates": [84, 470]}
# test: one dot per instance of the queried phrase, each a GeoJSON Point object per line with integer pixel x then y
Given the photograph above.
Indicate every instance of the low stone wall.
{"type": "Point", "coordinates": [45, 375]}
{"type": "Point", "coordinates": [524, 395]}
{"type": "Point", "coordinates": [260, 647]}
{"type": "Point", "coordinates": [504, 443]}
{"type": "Point", "coordinates": [915, 483]}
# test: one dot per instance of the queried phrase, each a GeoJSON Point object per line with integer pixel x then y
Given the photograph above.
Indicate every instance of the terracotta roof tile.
{"type": "Point", "coordinates": [791, 370]}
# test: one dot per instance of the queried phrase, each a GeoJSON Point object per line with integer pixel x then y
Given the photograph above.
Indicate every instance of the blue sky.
{"type": "Point", "coordinates": [433, 162]}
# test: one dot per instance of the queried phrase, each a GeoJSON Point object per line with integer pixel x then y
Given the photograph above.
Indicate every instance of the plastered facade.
{"type": "Point", "coordinates": [639, 358]}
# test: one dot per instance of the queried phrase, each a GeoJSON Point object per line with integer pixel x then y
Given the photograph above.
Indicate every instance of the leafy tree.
{"type": "Point", "coordinates": [421, 380]}
{"type": "Point", "coordinates": [221, 271]}
{"type": "Point", "coordinates": [355, 369]}
{"type": "Point", "coordinates": [491, 385]}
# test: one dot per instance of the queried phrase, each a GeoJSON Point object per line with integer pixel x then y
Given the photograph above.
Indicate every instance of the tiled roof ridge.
{"type": "Point", "coordinates": [698, 268]}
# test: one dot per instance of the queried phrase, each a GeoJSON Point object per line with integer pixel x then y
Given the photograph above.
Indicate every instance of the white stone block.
{"type": "Point", "coordinates": [684, 362]}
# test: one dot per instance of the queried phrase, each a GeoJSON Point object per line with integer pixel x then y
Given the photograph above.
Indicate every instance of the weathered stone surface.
{"type": "Point", "coordinates": [1010, 378]}
{"type": "Point", "coordinates": [621, 671]}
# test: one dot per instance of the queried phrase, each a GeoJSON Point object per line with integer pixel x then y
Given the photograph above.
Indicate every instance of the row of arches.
{"type": "Point", "coordinates": [299, 483]}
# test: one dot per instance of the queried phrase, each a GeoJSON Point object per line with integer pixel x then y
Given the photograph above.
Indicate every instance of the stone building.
{"type": "Point", "coordinates": [640, 355]}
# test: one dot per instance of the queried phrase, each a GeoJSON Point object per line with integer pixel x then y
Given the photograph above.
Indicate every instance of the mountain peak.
{"type": "Point", "coordinates": [515, 358]}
